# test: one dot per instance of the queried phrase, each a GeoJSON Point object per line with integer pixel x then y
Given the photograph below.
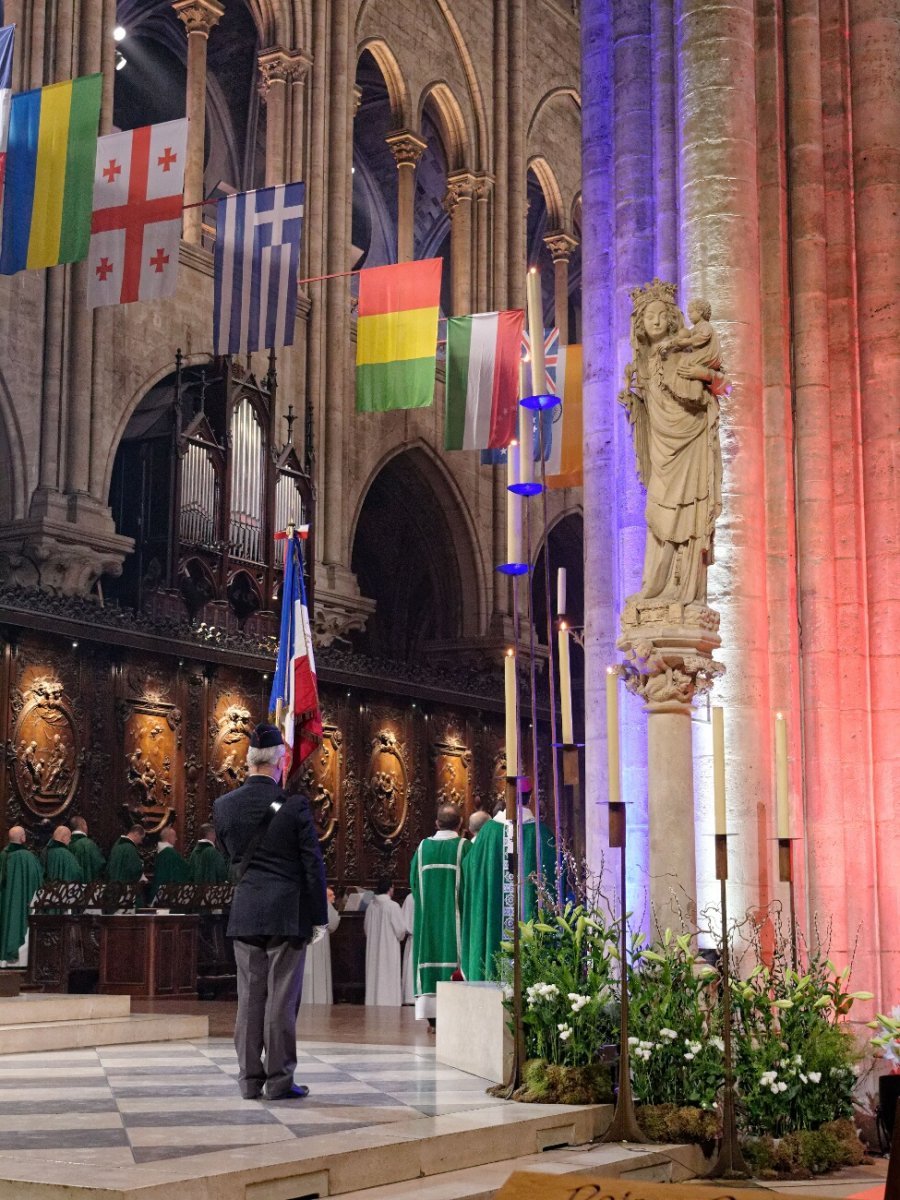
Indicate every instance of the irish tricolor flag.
{"type": "Point", "coordinates": [396, 335]}
{"type": "Point", "coordinates": [565, 461]}
{"type": "Point", "coordinates": [482, 389]}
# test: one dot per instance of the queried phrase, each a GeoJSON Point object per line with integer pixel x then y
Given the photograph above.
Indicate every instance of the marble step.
{"type": "Point", "coordinates": [660, 1164]}
{"type": "Point", "coordinates": [31, 1007]}
{"type": "Point", "coordinates": [100, 1031]}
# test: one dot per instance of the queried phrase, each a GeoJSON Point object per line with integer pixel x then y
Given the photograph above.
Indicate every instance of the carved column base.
{"type": "Point", "coordinates": [340, 607]}
{"type": "Point", "coordinates": [668, 651]}
{"type": "Point", "coordinates": [64, 546]}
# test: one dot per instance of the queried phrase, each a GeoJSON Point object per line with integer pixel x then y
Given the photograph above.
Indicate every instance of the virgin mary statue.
{"type": "Point", "coordinates": [671, 394]}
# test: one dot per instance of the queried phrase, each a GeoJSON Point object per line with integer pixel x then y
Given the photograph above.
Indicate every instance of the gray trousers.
{"type": "Point", "coordinates": [269, 979]}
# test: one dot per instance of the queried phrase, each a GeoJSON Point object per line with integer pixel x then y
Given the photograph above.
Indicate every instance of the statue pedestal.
{"type": "Point", "coordinates": [668, 651]}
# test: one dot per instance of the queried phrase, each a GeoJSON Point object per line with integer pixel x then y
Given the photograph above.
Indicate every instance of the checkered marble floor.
{"type": "Point", "coordinates": [122, 1105]}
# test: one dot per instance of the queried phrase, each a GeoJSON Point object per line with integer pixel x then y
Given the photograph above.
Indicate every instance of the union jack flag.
{"type": "Point", "coordinates": [551, 353]}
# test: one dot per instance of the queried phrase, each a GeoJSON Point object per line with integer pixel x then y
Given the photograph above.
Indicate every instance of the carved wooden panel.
{"type": "Point", "coordinates": [234, 711]}
{"type": "Point", "coordinates": [322, 780]}
{"type": "Point", "coordinates": [45, 750]}
{"type": "Point", "coordinates": [451, 761]}
{"type": "Point", "coordinates": [150, 739]}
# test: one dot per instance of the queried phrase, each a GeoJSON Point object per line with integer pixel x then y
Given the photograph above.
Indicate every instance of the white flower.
{"type": "Point", "coordinates": [668, 1033]}
{"type": "Point", "coordinates": [815, 1076]}
{"type": "Point", "coordinates": [774, 1089]}
{"type": "Point", "coordinates": [767, 1078]}
{"type": "Point", "coordinates": [565, 1034]}
{"type": "Point", "coordinates": [689, 1057]}
{"type": "Point", "coordinates": [718, 1043]}
{"type": "Point", "coordinates": [803, 1078]}
{"type": "Point", "coordinates": [578, 1001]}
{"type": "Point", "coordinates": [782, 1086]}
{"type": "Point", "coordinates": [562, 1027]}
{"type": "Point", "coordinates": [694, 1047]}
{"type": "Point", "coordinates": [633, 1041]}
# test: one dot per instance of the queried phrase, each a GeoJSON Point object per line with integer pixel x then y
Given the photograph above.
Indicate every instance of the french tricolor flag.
{"type": "Point", "coordinates": [7, 33]}
{"type": "Point", "coordinates": [294, 702]}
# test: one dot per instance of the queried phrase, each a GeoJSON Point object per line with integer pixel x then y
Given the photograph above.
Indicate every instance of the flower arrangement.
{"type": "Point", "coordinates": [887, 1038]}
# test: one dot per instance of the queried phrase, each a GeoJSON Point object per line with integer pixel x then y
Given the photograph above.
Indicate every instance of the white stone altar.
{"type": "Point", "coordinates": [472, 1033]}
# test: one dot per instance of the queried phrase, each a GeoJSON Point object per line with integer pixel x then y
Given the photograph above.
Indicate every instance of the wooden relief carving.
{"type": "Point", "coordinates": [387, 788]}
{"type": "Point", "coordinates": [150, 739]}
{"type": "Point", "coordinates": [44, 752]}
{"type": "Point", "coordinates": [452, 763]}
{"type": "Point", "coordinates": [228, 765]}
{"type": "Point", "coordinates": [320, 778]}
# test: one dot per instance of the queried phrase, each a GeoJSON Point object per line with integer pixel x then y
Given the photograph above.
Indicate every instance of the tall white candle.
{"type": "Point", "coordinates": [513, 507]}
{"type": "Point", "coordinates": [561, 592]}
{"type": "Point", "coordinates": [718, 733]}
{"type": "Point", "coordinates": [782, 799]}
{"type": "Point", "coordinates": [512, 714]}
{"type": "Point", "coordinates": [612, 734]}
{"type": "Point", "coordinates": [565, 686]}
{"type": "Point", "coordinates": [526, 429]}
{"type": "Point", "coordinates": [536, 331]}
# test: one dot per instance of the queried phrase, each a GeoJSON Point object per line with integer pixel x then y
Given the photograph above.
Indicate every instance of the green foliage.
{"type": "Point", "coordinates": [887, 1037]}
{"type": "Point", "coordinates": [547, 1083]}
{"type": "Point", "coordinates": [805, 1152]}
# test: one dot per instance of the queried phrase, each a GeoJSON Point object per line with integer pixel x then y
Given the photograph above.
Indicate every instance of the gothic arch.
{"type": "Point", "coordinates": [435, 482]}
{"type": "Point", "coordinates": [550, 187]}
{"type": "Point", "coordinates": [448, 116]}
{"type": "Point", "coordinates": [13, 497]}
{"type": "Point", "coordinates": [398, 92]}
{"type": "Point", "coordinates": [548, 97]}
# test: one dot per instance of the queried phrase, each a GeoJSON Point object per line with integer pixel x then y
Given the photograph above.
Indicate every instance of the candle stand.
{"type": "Point", "coordinates": [730, 1163]}
{"type": "Point", "coordinates": [786, 875]}
{"type": "Point", "coordinates": [624, 1127]}
{"type": "Point", "coordinates": [512, 816]}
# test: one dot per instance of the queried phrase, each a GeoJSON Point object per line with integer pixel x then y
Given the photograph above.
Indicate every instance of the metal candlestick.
{"type": "Point", "coordinates": [730, 1163]}
{"type": "Point", "coordinates": [624, 1127]}
{"type": "Point", "coordinates": [786, 875]}
{"type": "Point", "coordinates": [538, 861]}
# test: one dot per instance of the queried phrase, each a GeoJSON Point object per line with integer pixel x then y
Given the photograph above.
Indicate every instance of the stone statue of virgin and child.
{"type": "Point", "coordinates": [672, 390]}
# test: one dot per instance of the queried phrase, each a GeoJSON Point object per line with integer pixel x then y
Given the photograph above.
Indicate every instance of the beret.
{"type": "Point", "coordinates": [265, 736]}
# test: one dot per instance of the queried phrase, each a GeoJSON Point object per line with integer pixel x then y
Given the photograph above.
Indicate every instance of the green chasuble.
{"type": "Point", "coordinates": [125, 865]}
{"type": "Point", "coordinates": [61, 864]}
{"type": "Point", "coordinates": [22, 876]}
{"type": "Point", "coordinates": [89, 856]}
{"type": "Point", "coordinates": [207, 865]}
{"type": "Point", "coordinates": [482, 902]}
{"type": "Point", "coordinates": [170, 868]}
{"type": "Point", "coordinates": [435, 878]}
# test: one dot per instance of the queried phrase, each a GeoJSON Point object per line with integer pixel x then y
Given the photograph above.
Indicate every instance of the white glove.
{"type": "Point", "coordinates": [319, 932]}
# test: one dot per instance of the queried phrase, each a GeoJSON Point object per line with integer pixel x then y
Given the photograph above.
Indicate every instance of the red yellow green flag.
{"type": "Point", "coordinates": [396, 335]}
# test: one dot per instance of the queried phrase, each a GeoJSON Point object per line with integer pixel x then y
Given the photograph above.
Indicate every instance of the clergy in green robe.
{"type": "Point", "coordinates": [60, 864]}
{"type": "Point", "coordinates": [205, 862]}
{"type": "Point", "coordinates": [170, 867]}
{"type": "Point", "coordinates": [20, 878]}
{"type": "Point", "coordinates": [482, 891]}
{"type": "Point", "coordinates": [435, 879]}
{"type": "Point", "coordinates": [89, 855]}
{"type": "Point", "coordinates": [125, 863]}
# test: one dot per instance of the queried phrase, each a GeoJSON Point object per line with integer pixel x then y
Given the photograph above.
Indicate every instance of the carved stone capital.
{"type": "Point", "coordinates": [357, 98]}
{"type": "Point", "coordinates": [483, 186]}
{"type": "Point", "coordinates": [62, 556]}
{"type": "Point", "coordinates": [561, 245]}
{"type": "Point", "coordinates": [460, 186]}
{"type": "Point", "coordinates": [199, 16]}
{"type": "Point", "coordinates": [668, 652]}
{"type": "Point", "coordinates": [277, 65]}
{"type": "Point", "coordinates": [406, 147]}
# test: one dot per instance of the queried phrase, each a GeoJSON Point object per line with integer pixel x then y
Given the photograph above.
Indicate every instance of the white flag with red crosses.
{"type": "Point", "coordinates": [136, 220]}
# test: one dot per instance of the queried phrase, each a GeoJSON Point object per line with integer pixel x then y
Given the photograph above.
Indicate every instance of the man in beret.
{"type": "Point", "coordinates": [279, 907]}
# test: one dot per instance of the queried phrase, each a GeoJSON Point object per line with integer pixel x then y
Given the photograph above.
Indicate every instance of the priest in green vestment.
{"type": "Point", "coordinates": [125, 863]}
{"type": "Point", "coordinates": [60, 864]}
{"type": "Point", "coordinates": [89, 855]}
{"type": "Point", "coordinates": [205, 862]}
{"type": "Point", "coordinates": [170, 867]}
{"type": "Point", "coordinates": [482, 890]}
{"type": "Point", "coordinates": [20, 878]}
{"type": "Point", "coordinates": [434, 879]}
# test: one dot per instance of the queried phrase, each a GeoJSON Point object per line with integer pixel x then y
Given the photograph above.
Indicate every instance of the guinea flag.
{"type": "Point", "coordinates": [482, 390]}
{"type": "Point", "coordinates": [396, 335]}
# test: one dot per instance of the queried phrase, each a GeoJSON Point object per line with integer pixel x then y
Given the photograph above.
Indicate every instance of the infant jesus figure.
{"type": "Point", "coordinates": [700, 360]}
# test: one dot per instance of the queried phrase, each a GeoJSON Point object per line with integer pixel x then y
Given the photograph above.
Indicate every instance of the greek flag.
{"type": "Point", "coordinates": [256, 260]}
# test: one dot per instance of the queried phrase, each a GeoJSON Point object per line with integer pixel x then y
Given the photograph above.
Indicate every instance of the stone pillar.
{"type": "Point", "coordinates": [275, 71]}
{"type": "Point", "coordinates": [874, 53]}
{"type": "Point", "coordinates": [407, 149]}
{"type": "Point", "coordinates": [458, 203]}
{"type": "Point", "coordinates": [299, 64]}
{"type": "Point", "coordinates": [561, 246]}
{"type": "Point", "coordinates": [483, 185]}
{"type": "Point", "coordinates": [665, 156]}
{"type": "Point", "coordinates": [517, 167]}
{"type": "Point", "coordinates": [199, 17]}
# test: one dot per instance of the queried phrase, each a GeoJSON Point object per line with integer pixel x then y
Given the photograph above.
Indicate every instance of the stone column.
{"type": "Point", "coordinates": [517, 167]}
{"type": "Point", "coordinates": [561, 245]}
{"type": "Point", "coordinates": [458, 203]}
{"type": "Point", "coordinates": [274, 71]}
{"type": "Point", "coordinates": [199, 17]}
{"type": "Point", "coordinates": [299, 64]}
{"type": "Point", "coordinates": [483, 184]}
{"type": "Point", "coordinates": [407, 149]}
{"type": "Point", "coordinates": [874, 53]}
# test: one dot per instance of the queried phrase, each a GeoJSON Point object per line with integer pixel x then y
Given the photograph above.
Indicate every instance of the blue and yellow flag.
{"type": "Point", "coordinates": [50, 175]}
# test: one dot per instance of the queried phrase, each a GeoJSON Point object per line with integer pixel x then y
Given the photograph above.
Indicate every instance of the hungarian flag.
{"type": "Point", "coordinates": [482, 380]}
{"type": "Point", "coordinates": [565, 459]}
{"type": "Point", "coordinates": [136, 221]}
{"type": "Point", "coordinates": [294, 702]}
{"type": "Point", "coordinates": [396, 335]}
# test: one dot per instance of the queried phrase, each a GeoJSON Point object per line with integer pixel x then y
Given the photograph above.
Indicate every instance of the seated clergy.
{"type": "Point", "coordinates": [20, 878]}
{"type": "Point", "coordinates": [317, 983]}
{"type": "Point", "coordinates": [206, 863]}
{"type": "Point", "coordinates": [125, 862]}
{"type": "Point", "coordinates": [89, 855]}
{"type": "Point", "coordinates": [169, 867]}
{"type": "Point", "coordinates": [385, 930]}
{"type": "Point", "coordinates": [59, 861]}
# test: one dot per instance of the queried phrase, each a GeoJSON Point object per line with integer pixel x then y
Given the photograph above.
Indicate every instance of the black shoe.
{"type": "Point", "coordinates": [297, 1091]}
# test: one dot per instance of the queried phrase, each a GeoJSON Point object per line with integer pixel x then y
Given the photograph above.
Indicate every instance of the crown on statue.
{"type": "Point", "coordinates": [657, 290]}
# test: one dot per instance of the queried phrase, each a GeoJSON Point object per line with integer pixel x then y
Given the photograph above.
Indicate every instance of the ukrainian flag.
{"type": "Point", "coordinates": [50, 175]}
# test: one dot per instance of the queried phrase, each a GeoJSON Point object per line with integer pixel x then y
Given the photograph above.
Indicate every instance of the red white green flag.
{"type": "Point", "coordinates": [482, 390]}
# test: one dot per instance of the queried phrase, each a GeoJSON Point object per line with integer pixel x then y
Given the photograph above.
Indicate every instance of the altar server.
{"type": "Point", "coordinates": [60, 864]}
{"type": "Point", "coordinates": [206, 863]}
{"type": "Point", "coordinates": [408, 910]}
{"type": "Point", "coordinates": [384, 928]}
{"type": "Point", "coordinates": [20, 878]}
{"type": "Point", "coordinates": [435, 879]}
{"type": "Point", "coordinates": [89, 855]}
{"type": "Point", "coordinates": [317, 984]}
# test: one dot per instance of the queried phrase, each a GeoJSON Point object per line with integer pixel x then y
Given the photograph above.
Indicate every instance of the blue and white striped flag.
{"type": "Point", "coordinates": [256, 261]}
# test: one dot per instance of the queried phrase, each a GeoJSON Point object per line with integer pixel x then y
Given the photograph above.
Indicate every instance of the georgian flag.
{"type": "Point", "coordinates": [294, 701]}
{"type": "Point", "coordinates": [136, 220]}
